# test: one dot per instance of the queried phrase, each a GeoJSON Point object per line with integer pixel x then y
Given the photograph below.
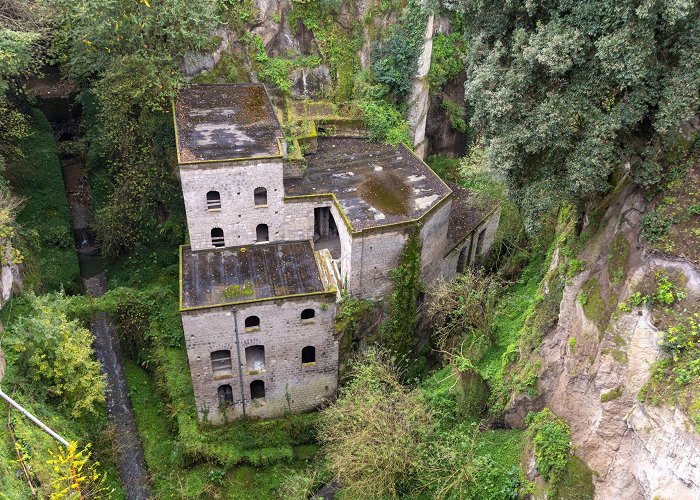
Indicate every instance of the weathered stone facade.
{"type": "Point", "coordinates": [289, 384]}
{"type": "Point", "coordinates": [359, 202]}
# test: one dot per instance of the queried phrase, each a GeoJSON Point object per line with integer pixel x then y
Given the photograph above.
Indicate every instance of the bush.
{"type": "Point", "coordinates": [386, 122]}
{"type": "Point", "coordinates": [655, 226]}
{"type": "Point", "coordinates": [55, 355]}
{"type": "Point", "coordinates": [373, 434]}
{"type": "Point", "coordinates": [551, 437]}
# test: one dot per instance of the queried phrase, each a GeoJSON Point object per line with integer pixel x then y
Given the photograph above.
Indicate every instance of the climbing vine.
{"type": "Point", "coordinates": [396, 333]}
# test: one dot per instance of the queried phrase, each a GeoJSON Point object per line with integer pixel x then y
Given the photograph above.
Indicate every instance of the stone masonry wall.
{"type": "Point", "coordinates": [289, 384]}
{"type": "Point", "coordinates": [433, 238]}
{"type": "Point", "coordinates": [238, 216]}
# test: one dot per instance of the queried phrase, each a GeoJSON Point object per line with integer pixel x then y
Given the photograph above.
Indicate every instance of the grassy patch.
{"type": "Point", "coordinates": [45, 221]}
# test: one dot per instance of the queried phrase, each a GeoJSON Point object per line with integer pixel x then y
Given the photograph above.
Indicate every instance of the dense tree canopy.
{"type": "Point", "coordinates": [129, 52]}
{"type": "Point", "coordinates": [562, 90]}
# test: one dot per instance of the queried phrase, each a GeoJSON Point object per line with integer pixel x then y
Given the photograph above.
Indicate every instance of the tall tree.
{"type": "Point", "coordinates": [563, 89]}
{"type": "Point", "coordinates": [129, 52]}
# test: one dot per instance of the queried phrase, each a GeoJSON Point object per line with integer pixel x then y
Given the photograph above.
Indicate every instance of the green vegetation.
{"type": "Point", "coordinates": [594, 306]}
{"type": "Point", "coordinates": [611, 395]}
{"type": "Point", "coordinates": [556, 131]}
{"type": "Point", "coordinates": [617, 259]}
{"type": "Point", "coordinates": [551, 438]}
{"type": "Point", "coordinates": [396, 333]}
{"type": "Point", "coordinates": [56, 354]}
{"type": "Point", "coordinates": [44, 218]}
{"type": "Point", "coordinates": [275, 70]}
{"type": "Point", "coordinates": [237, 291]}
{"type": "Point", "coordinates": [447, 59]}
{"type": "Point", "coordinates": [425, 448]}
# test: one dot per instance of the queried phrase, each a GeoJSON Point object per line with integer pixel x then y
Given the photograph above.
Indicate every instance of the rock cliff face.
{"type": "Point", "coordinates": [635, 450]}
{"type": "Point", "coordinates": [10, 277]}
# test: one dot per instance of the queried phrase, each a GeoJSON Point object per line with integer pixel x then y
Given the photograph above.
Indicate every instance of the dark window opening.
{"type": "Point", "coordinates": [308, 314]}
{"type": "Point", "coordinates": [255, 357]}
{"type": "Point", "coordinates": [262, 233]}
{"type": "Point", "coordinates": [480, 242]}
{"type": "Point", "coordinates": [217, 237]}
{"type": "Point", "coordinates": [260, 196]}
{"type": "Point", "coordinates": [225, 394]}
{"type": "Point", "coordinates": [252, 322]}
{"type": "Point", "coordinates": [257, 389]}
{"type": "Point", "coordinates": [221, 362]}
{"type": "Point", "coordinates": [462, 260]}
{"type": "Point", "coordinates": [326, 232]}
{"type": "Point", "coordinates": [213, 200]}
{"type": "Point", "coordinates": [308, 354]}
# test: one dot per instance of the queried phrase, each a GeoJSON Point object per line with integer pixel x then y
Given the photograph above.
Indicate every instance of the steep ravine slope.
{"type": "Point", "coordinates": [636, 450]}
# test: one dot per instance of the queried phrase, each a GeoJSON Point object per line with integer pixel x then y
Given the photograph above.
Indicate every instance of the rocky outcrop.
{"type": "Point", "coordinates": [635, 450]}
{"type": "Point", "coordinates": [10, 276]}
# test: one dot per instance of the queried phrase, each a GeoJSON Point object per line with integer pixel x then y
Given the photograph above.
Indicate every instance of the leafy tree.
{"type": "Point", "coordinates": [130, 53]}
{"type": "Point", "coordinates": [55, 355]}
{"type": "Point", "coordinates": [20, 34]}
{"type": "Point", "coordinates": [563, 90]}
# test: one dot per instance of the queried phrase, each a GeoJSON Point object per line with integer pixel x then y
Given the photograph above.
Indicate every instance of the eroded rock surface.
{"type": "Point", "coordinates": [635, 450]}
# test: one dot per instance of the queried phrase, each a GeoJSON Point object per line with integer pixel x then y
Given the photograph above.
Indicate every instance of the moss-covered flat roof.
{"type": "Point", "coordinates": [225, 122]}
{"type": "Point", "coordinates": [250, 273]}
{"type": "Point", "coordinates": [374, 183]}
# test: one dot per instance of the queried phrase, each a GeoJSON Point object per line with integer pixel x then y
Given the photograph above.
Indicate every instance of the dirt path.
{"type": "Point", "coordinates": [129, 457]}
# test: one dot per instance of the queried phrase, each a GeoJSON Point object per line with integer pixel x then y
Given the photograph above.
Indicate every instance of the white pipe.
{"type": "Point", "coordinates": [34, 419]}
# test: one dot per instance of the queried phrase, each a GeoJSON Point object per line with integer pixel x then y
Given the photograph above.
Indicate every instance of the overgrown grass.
{"type": "Point", "coordinates": [45, 221]}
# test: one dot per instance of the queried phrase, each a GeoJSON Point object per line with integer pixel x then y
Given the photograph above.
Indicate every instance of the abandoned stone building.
{"type": "Point", "coordinates": [273, 242]}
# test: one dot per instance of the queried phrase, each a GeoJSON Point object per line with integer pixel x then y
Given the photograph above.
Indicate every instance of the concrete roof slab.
{"type": "Point", "coordinates": [225, 122]}
{"type": "Point", "coordinates": [249, 273]}
{"type": "Point", "coordinates": [374, 183]}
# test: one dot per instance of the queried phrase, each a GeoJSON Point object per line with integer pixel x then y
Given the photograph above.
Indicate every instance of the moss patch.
{"type": "Point", "coordinates": [576, 482]}
{"type": "Point", "coordinates": [617, 259]}
{"type": "Point", "coordinates": [237, 291]}
{"type": "Point", "coordinates": [611, 395]}
{"type": "Point", "coordinates": [594, 306]}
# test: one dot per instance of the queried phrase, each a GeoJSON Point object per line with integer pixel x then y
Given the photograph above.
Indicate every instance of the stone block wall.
{"type": "Point", "coordinates": [238, 216]}
{"type": "Point", "coordinates": [289, 384]}
{"type": "Point", "coordinates": [374, 254]}
{"type": "Point", "coordinates": [433, 238]}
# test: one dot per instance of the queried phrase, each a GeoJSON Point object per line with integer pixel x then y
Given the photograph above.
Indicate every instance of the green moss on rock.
{"type": "Point", "coordinates": [594, 307]}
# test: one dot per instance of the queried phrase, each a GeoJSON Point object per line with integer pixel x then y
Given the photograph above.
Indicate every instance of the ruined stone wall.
{"type": "Point", "coordinates": [289, 384]}
{"type": "Point", "coordinates": [448, 268]}
{"type": "Point", "coordinates": [238, 216]}
{"type": "Point", "coordinates": [433, 239]}
{"type": "Point", "coordinates": [374, 255]}
{"type": "Point", "coordinates": [489, 228]}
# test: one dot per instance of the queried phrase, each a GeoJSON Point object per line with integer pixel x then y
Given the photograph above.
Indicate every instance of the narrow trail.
{"type": "Point", "coordinates": [129, 456]}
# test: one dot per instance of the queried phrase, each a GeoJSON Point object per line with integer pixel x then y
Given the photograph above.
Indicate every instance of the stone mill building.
{"type": "Point", "coordinates": [273, 242]}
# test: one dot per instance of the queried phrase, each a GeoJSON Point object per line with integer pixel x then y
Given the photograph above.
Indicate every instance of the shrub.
{"type": "Point", "coordinates": [551, 437]}
{"type": "Point", "coordinates": [385, 122]}
{"type": "Point", "coordinates": [373, 434]}
{"type": "Point", "coordinates": [655, 226]}
{"type": "Point", "coordinates": [55, 355]}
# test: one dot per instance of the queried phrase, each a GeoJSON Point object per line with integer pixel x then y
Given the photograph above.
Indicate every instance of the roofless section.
{"type": "Point", "coordinates": [226, 122]}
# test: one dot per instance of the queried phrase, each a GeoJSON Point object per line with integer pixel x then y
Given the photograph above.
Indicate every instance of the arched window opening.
{"type": "Point", "coordinates": [262, 233]}
{"type": "Point", "coordinates": [308, 354]}
{"type": "Point", "coordinates": [221, 362]}
{"type": "Point", "coordinates": [257, 389]}
{"type": "Point", "coordinates": [252, 322]}
{"type": "Point", "coordinates": [217, 237]}
{"type": "Point", "coordinates": [225, 394]}
{"type": "Point", "coordinates": [213, 200]}
{"type": "Point", "coordinates": [255, 358]}
{"type": "Point", "coordinates": [260, 196]}
{"type": "Point", "coordinates": [308, 314]}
